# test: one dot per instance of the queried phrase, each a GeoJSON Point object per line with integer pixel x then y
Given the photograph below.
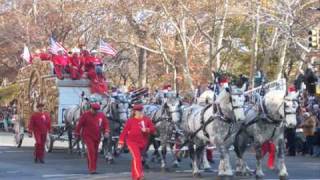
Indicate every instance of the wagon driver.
{"type": "Point", "coordinates": [39, 126]}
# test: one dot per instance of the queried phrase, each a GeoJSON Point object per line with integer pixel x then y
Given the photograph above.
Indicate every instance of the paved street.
{"type": "Point", "coordinates": [18, 164]}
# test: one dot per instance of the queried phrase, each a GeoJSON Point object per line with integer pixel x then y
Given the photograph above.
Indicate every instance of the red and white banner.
{"type": "Point", "coordinates": [107, 48]}
{"type": "Point", "coordinates": [55, 47]}
{"type": "Point", "coordinates": [26, 54]}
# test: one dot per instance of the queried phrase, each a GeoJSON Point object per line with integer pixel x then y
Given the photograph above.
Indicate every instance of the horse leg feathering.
{"type": "Point", "coordinates": [224, 165]}
{"type": "Point", "coordinates": [259, 172]}
{"type": "Point", "coordinates": [281, 154]}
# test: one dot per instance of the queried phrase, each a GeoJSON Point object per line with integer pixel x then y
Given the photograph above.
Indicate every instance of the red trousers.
{"type": "Point", "coordinates": [39, 145]}
{"type": "Point", "coordinates": [136, 163]}
{"type": "Point", "coordinates": [91, 73]}
{"type": "Point", "coordinates": [58, 69]}
{"type": "Point", "coordinates": [75, 72]}
{"type": "Point", "coordinates": [92, 154]}
{"type": "Point", "coordinates": [209, 155]}
{"type": "Point", "coordinates": [271, 148]}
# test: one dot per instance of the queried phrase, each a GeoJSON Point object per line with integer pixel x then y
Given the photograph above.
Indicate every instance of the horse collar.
{"type": "Point", "coordinates": [221, 115]}
{"type": "Point", "coordinates": [266, 115]}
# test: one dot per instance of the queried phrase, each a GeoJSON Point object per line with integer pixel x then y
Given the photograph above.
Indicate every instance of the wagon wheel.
{"type": "Point", "coordinates": [34, 90]}
{"type": "Point", "coordinates": [18, 131]}
{"type": "Point", "coordinates": [1, 116]}
{"type": "Point", "coordinates": [49, 143]}
{"type": "Point", "coordinates": [18, 122]}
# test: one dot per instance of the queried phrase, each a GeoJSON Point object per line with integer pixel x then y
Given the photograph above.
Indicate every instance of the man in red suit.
{"type": "Point", "coordinates": [60, 61]}
{"type": "Point", "coordinates": [75, 64]}
{"type": "Point", "coordinates": [92, 62]}
{"type": "Point", "coordinates": [39, 126]}
{"type": "Point", "coordinates": [91, 124]}
{"type": "Point", "coordinates": [136, 135]}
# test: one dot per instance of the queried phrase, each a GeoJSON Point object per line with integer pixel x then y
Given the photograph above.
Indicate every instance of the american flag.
{"type": "Point", "coordinates": [26, 54]}
{"type": "Point", "coordinates": [55, 46]}
{"type": "Point", "coordinates": [107, 49]}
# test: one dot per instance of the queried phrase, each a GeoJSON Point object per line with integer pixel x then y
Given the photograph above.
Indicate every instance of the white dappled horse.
{"type": "Point", "coordinates": [217, 124]}
{"type": "Point", "coordinates": [266, 121]}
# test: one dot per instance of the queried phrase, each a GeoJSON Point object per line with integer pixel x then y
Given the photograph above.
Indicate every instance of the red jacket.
{"type": "Point", "coordinates": [75, 61]}
{"type": "Point", "coordinates": [93, 60]}
{"type": "Point", "coordinates": [44, 56]}
{"type": "Point", "coordinates": [60, 60]}
{"type": "Point", "coordinates": [132, 131]}
{"type": "Point", "coordinates": [92, 125]}
{"type": "Point", "coordinates": [40, 122]}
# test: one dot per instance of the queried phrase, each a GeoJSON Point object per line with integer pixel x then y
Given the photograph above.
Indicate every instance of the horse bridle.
{"type": "Point", "coordinates": [177, 110]}
{"type": "Point", "coordinates": [285, 113]}
{"type": "Point", "coordinates": [285, 107]}
{"type": "Point", "coordinates": [233, 107]}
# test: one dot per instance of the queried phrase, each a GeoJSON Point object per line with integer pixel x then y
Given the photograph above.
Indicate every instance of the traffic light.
{"type": "Point", "coordinates": [314, 38]}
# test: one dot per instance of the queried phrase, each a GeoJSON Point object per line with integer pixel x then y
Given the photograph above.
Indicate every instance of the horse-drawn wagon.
{"type": "Point", "coordinates": [38, 83]}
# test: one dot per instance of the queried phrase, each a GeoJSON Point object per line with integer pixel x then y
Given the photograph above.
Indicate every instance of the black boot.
{"type": "Point", "coordinates": [35, 160]}
{"type": "Point", "coordinates": [41, 161]}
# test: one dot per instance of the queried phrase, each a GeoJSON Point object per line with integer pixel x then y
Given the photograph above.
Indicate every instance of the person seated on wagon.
{"type": "Point", "coordinates": [75, 64]}
{"type": "Point", "coordinates": [42, 54]}
{"type": "Point", "coordinates": [93, 64]}
{"type": "Point", "coordinates": [97, 61]}
{"type": "Point", "coordinates": [60, 61]}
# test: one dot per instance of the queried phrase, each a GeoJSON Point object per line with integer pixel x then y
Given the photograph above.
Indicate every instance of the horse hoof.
{"type": "Point", "coordinates": [248, 173]}
{"type": "Point", "coordinates": [239, 173]}
{"type": "Point", "coordinates": [197, 175]}
{"type": "Point", "coordinates": [110, 161]}
{"type": "Point", "coordinates": [175, 165]}
{"type": "Point", "coordinates": [283, 177]}
{"type": "Point", "coordinates": [146, 166]}
{"type": "Point", "coordinates": [225, 178]}
{"type": "Point", "coordinates": [208, 170]}
{"type": "Point", "coordinates": [259, 176]}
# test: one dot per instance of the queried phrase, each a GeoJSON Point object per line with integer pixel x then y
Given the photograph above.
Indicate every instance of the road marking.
{"type": "Point", "coordinates": [17, 151]}
{"type": "Point", "coordinates": [120, 174]}
{"type": "Point", "coordinates": [12, 172]}
{"type": "Point", "coordinates": [60, 175]}
{"type": "Point", "coordinates": [190, 171]}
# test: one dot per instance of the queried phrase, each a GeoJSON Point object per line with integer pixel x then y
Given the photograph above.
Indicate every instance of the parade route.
{"type": "Point", "coordinates": [17, 163]}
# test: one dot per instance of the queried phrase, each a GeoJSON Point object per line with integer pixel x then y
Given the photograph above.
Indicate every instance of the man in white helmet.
{"type": "Point", "coordinates": [75, 64]}
{"type": "Point", "coordinates": [60, 62]}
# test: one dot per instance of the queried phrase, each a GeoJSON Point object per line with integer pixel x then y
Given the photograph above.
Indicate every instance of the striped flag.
{"type": "Point", "coordinates": [26, 55]}
{"type": "Point", "coordinates": [55, 47]}
{"type": "Point", "coordinates": [107, 49]}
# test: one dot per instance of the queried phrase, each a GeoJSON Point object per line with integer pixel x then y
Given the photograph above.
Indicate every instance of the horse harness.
{"type": "Point", "coordinates": [220, 116]}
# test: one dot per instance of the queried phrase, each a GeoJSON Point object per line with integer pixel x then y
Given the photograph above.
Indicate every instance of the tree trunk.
{"type": "Point", "coordinates": [185, 64]}
{"type": "Point", "coordinates": [282, 58]}
{"type": "Point", "coordinates": [221, 33]}
{"type": "Point", "coordinates": [34, 10]}
{"type": "Point", "coordinates": [175, 78]}
{"type": "Point", "coordinates": [254, 54]}
{"type": "Point", "coordinates": [142, 62]}
{"type": "Point", "coordinates": [269, 52]}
